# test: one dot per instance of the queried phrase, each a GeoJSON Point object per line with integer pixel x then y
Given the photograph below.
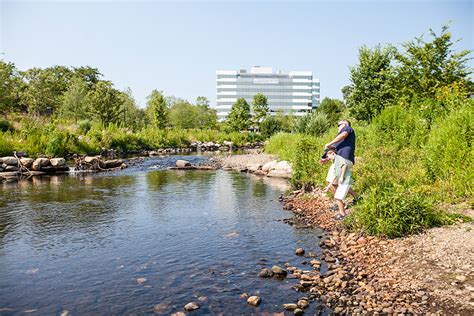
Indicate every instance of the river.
{"type": "Point", "coordinates": [120, 243]}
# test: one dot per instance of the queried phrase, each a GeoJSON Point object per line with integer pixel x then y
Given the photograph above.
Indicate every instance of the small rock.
{"type": "Point", "coordinates": [279, 271]}
{"type": "Point", "coordinates": [244, 295]}
{"type": "Point", "coordinates": [290, 307]}
{"type": "Point", "coordinates": [39, 163]}
{"type": "Point", "coordinates": [64, 313]}
{"type": "Point", "coordinates": [182, 163]}
{"type": "Point", "coordinates": [298, 311]}
{"type": "Point", "coordinates": [254, 300]}
{"type": "Point", "coordinates": [191, 306]}
{"type": "Point", "coordinates": [461, 278]}
{"type": "Point", "coordinates": [266, 273]}
{"type": "Point", "coordinates": [161, 308]}
{"type": "Point", "coordinates": [299, 252]}
{"type": "Point", "coordinates": [57, 162]}
{"type": "Point", "coordinates": [141, 280]}
{"type": "Point", "coordinates": [27, 162]}
{"type": "Point", "coordinates": [303, 304]}
{"type": "Point", "coordinates": [178, 314]}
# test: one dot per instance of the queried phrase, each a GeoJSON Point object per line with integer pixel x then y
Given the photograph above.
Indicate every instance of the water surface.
{"type": "Point", "coordinates": [80, 243]}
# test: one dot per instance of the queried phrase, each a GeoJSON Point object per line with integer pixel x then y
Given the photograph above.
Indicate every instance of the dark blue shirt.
{"type": "Point", "coordinates": [346, 148]}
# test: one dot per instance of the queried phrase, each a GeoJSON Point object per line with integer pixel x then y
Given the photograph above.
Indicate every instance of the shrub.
{"type": "Point", "coordinates": [283, 145]}
{"type": "Point", "coordinates": [84, 126]}
{"type": "Point", "coordinates": [317, 124]}
{"type": "Point", "coordinates": [393, 212]}
{"type": "Point", "coordinates": [271, 125]}
{"type": "Point", "coordinates": [448, 153]}
{"type": "Point", "coordinates": [6, 126]}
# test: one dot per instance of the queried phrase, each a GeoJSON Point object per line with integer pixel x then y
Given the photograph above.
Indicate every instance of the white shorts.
{"type": "Point", "coordinates": [331, 174]}
{"type": "Point", "coordinates": [341, 191]}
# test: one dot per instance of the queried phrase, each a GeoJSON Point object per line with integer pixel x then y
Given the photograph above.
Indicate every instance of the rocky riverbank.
{"type": "Point", "coordinates": [428, 273]}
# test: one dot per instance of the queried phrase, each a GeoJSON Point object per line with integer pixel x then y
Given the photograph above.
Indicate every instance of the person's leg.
{"type": "Point", "coordinates": [340, 195]}
{"type": "Point", "coordinates": [341, 206]}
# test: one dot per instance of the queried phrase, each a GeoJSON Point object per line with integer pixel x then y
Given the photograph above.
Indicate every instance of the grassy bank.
{"type": "Point", "coordinates": [407, 171]}
{"type": "Point", "coordinates": [60, 137]}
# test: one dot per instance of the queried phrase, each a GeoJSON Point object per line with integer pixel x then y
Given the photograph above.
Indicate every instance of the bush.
{"type": "Point", "coordinates": [270, 126]}
{"type": "Point", "coordinates": [393, 213]}
{"type": "Point", "coordinates": [448, 153]}
{"type": "Point", "coordinates": [84, 126]}
{"type": "Point", "coordinates": [283, 145]}
{"type": "Point", "coordinates": [317, 124]}
{"type": "Point", "coordinates": [6, 126]}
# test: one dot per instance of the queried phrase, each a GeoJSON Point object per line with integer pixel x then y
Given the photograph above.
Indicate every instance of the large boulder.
{"type": "Point", "coordinates": [40, 163]}
{"type": "Point", "coordinates": [283, 165]}
{"type": "Point", "coordinates": [27, 162]}
{"type": "Point", "coordinates": [91, 159]}
{"type": "Point", "coordinates": [10, 161]}
{"type": "Point", "coordinates": [182, 163]}
{"type": "Point", "coordinates": [269, 166]}
{"type": "Point", "coordinates": [279, 174]}
{"type": "Point", "coordinates": [57, 162]}
{"type": "Point", "coordinates": [113, 163]}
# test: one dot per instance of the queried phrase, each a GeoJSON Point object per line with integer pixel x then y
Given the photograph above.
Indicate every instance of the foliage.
{"type": "Point", "coordinates": [372, 83]}
{"type": "Point", "coordinates": [332, 108]}
{"type": "Point", "coordinates": [270, 125]}
{"type": "Point", "coordinates": [448, 153]}
{"type": "Point", "coordinates": [10, 87]}
{"type": "Point", "coordinates": [5, 126]}
{"type": "Point", "coordinates": [283, 145]}
{"type": "Point", "coordinates": [75, 102]}
{"type": "Point", "coordinates": [239, 116]}
{"type": "Point", "coordinates": [105, 103]}
{"type": "Point", "coordinates": [259, 108]}
{"type": "Point", "coordinates": [157, 109]}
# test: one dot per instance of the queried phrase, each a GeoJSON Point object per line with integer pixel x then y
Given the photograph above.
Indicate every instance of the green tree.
{"type": "Point", "coordinates": [239, 116]}
{"type": "Point", "coordinates": [183, 115]}
{"type": "Point", "coordinates": [424, 67]}
{"type": "Point", "coordinates": [372, 83]}
{"type": "Point", "coordinates": [88, 74]}
{"type": "Point", "coordinates": [346, 92]}
{"type": "Point", "coordinates": [10, 87]}
{"type": "Point", "coordinates": [105, 103]}
{"type": "Point", "coordinates": [133, 116]}
{"type": "Point", "coordinates": [260, 108]}
{"type": "Point", "coordinates": [75, 101]}
{"type": "Point", "coordinates": [332, 108]}
{"type": "Point", "coordinates": [207, 117]}
{"type": "Point", "coordinates": [45, 87]}
{"type": "Point", "coordinates": [157, 109]}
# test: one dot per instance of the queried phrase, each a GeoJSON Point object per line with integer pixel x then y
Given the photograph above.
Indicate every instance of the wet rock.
{"type": "Point", "coordinates": [64, 313]}
{"type": "Point", "coordinates": [108, 164]}
{"type": "Point", "coordinates": [161, 308]}
{"type": "Point", "coordinates": [298, 311]}
{"type": "Point", "coordinates": [27, 162]}
{"type": "Point", "coordinates": [57, 162]}
{"type": "Point", "coordinates": [182, 163]}
{"type": "Point", "coordinates": [178, 314]}
{"type": "Point", "coordinates": [266, 273]}
{"type": "Point", "coordinates": [40, 163]}
{"type": "Point", "coordinates": [290, 307]}
{"type": "Point", "coordinates": [11, 168]}
{"type": "Point", "coordinates": [191, 306]}
{"type": "Point", "coordinates": [141, 280]}
{"type": "Point", "coordinates": [279, 174]}
{"type": "Point", "coordinates": [303, 304]}
{"type": "Point", "coordinates": [10, 161]}
{"type": "Point", "coordinates": [91, 159]}
{"type": "Point", "coordinates": [279, 271]}
{"type": "Point", "coordinates": [254, 300]}
{"type": "Point", "coordinates": [299, 252]}
{"type": "Point", "coordinates": [244, 295]}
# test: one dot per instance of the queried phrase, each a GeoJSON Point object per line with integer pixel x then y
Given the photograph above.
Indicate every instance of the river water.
{"type": "Point", "coordinates": [121, 243]}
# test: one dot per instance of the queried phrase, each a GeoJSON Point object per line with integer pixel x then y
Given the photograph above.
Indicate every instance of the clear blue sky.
{"type": "Point", "coordinates": [177, 46]}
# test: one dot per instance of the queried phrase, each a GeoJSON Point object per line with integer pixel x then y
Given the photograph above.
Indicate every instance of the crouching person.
{"type": "Point", "coordinates": [342, 179]}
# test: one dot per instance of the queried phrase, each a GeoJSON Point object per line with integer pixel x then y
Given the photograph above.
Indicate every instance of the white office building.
{"type": "Point", "coordinates": [295, 92]}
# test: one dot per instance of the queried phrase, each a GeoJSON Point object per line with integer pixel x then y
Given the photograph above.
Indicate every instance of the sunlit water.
{"type": "Point", "coordinates": [79, 243]}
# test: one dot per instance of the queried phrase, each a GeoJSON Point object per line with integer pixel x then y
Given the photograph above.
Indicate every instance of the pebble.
{"type": "Point", "coordinates": [461, 278]}
{"type": "Point", "coordinates": [191, 306]}
{"type": "Point", "coordinates": [298, 311]}
{"type": "Point", "coordinates": [290, 307]}
{"type": "Point", "coordinates": [299, 252]}
{"type": "Point", "coordinates": [279, 271]}
{"type": "Point", "coordinates": [303, 304]}
{"type": "Point", "coordinates": [254, 300]}
{"type": "Point", "coordinates": [265, 273]}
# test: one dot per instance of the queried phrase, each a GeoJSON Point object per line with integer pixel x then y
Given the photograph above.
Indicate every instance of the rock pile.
{"type": "Point", "coordinates": [13, 166]}
{"type": "Point", "coordinates": [97, 163]}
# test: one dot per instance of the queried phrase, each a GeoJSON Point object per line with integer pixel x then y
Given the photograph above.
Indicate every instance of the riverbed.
{"type": "Point", "coordinates": [121, 243]}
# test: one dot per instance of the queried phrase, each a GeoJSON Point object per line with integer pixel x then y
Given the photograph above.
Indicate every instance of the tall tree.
{"type": "Point", "coordinates": [372, 81]}
{"type": "Point", "coordinates": [346, 92]}
{"type": "Point", "coordinates": [239, 116]}
{"type": "Point", "coordinates": [207, 117]}
{"type": "Point", "coordinates": [133, 117]}
{"type": "Point", "coordinates": [105, 103]}
{"type": "Point", "coordinates": [157, 109]}
{"type": "Point", "coordinates": [260, 108]}
{"type": "Point", "coordinates": [183, 115]}
{"type": "Point", "coordinates": [332, 108]}
{"type": "Point", "coordinates": [75, 101]}
{"type": "Point", "coordinates": [10, 87]}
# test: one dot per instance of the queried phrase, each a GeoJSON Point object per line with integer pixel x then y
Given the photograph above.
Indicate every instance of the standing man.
{"type": "Point", "coordinates": [345, 146]}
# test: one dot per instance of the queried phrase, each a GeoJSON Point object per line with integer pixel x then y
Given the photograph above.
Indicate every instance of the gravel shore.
{"type": "Point", "coordinates": [426, 273]}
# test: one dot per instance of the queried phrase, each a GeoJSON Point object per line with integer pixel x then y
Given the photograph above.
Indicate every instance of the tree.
{"type": "Point", "coordinates": [332, 108]}
{"type": "Point", "coordinates": [183, 115]}
{"type": "Point", "coordinates": [207, 117]}
{"type": "Point", "coordinates": [260, 108]}
{"type": "Point", "coordinates": [157, 109]}
{"type": "Point", "coordinates": [105, 103]}
{"type": "Point", "coordinates": [133, 116]}
{"type": "Point", "coordinates": [239, 116]}
{"type": "Point", "coordinates": [88, 74]}
{"type": "Point", "coordinates": [75, 101]}
{"type": "Point", "coordinates": [10, 87]}
{"type": "Point", "coordinates": [44, 89]}
{"type": "Point", "coordinates": [346, 92]}
{"type": "Point", "coordinates": [425, 67]}
{"type": "Point", "coordinates": [372, 83]}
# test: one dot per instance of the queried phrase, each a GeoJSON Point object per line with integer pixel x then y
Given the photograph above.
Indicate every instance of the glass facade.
{"type": "Point", "coordinates": [295, 92]}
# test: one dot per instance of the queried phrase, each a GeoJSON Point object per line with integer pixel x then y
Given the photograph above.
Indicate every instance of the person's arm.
{"type": "Point", "coordinates": [338, 138]}
{"type": "Point", "coordinates": [330, 184]}
{"type": "Point", "coordinates": [343, 173]}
